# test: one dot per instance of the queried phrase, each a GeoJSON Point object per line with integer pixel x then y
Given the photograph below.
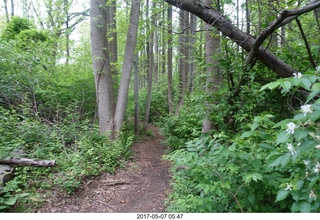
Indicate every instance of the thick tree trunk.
{"type": "Point", "coordinates": [101, 66]}
{"type": "Point", "coordinates": [216, 19]}
{"type": "Point", "coordinates": [127, 65]}
{"type": "Point", "coordinates": [184, 16]}
{"type": "Point", "coordinates": [28, 162]}
{"type": "Point", "coordinates": [112, 44]}
{"type": "Point", "coordinates": [213, 81]}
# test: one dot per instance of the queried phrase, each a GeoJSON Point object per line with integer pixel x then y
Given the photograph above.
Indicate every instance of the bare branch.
{"type": "Point", "coordinates": [278, 22]}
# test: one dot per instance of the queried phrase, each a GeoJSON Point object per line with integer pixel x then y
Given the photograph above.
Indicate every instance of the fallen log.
{"type": "Point", "coordinates": [28, 162]}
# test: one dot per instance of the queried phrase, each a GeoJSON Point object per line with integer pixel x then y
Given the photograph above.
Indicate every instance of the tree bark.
{"type": "Point", "coordinates": [216, 19]}
{"type": "Point", "coordinates": [127, 65]}
{"type": "Point", "coordinates": [101, 66]}
{"type": "Point", "coordinates": [28, 162]}
{"type": "Point", "coordinates": [6, 10]}
{"type": "Point", "coordinates": [136, 96]}
{"type": "Point", "coordinates": [212, 71]}
{"type": "Point", "coordinates": [169, 66]}
{"type": "Point", "coordinates": [150, 55]}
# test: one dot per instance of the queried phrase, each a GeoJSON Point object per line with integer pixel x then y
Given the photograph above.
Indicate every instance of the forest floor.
{"type": "Point", "coordinates": [142, 186]}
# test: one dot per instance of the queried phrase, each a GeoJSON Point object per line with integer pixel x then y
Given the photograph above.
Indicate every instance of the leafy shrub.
{"type": "Point", "coordinates": [178, 129]}
{"type": "Point", "coordinates": [265, 169]}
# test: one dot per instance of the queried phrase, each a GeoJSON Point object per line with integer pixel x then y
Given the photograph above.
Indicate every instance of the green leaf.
{"type": "Point", "coordinates": [285, 159]}
{"type": "Point", "coordinates": [271, 85]}
{"type": "Point", "coordinates": [276, 162]}
{"type": "Point", "coordinates": [286, 85]}
{"type": "Point", "coordinates": [254, 126]}
{"type": "Point", "coordinates": [282, 194]}
{"type": "Point", "coordinates": [265, 136]}
{"type": "Point", "coordinates": [301, 133]}
{"type": "Point", "coordinates": [251, 198]}
{"type": "Point", "coordinates": [10, 201]}
{"type": "Point", "coordinates": [266, 146]}
{"type": "Point", "coordinates": [295, 207]}
{"type": "Point", "coordinates": [305, 82]}
{"type": "Point", "coordinates": [312, 95]}
{"type": "Point", "coordinates": [305, 207]}
{"type": "Point", "coordinates": [256, 164]}
{"type": "Point", "coordinates": [295, 196]}
{"type": "Point", "coordinates": [300, 184]}
{"type": "Point", "coordinates": [283, 137]}
{"type": "Point", "coordinates": [315, 87]}
{"type": "Point", "coordinates": [307, 145]}
{"type": "Point", "coordinates": [246, 134]}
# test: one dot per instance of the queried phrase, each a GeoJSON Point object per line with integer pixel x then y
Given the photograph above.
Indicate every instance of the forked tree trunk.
{"type": "Point", "coordinates": [101, 66]}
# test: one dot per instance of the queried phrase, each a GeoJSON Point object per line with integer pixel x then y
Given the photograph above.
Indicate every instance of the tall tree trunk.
{"type": "Point", "coordinates": [192, 68]}
{"type": "Point", "coordinates": [127, 65]}
{"type": "Point", "coordinates": [182, 58]}
{"type": "Point", "coordinates": [113, 43]}
{"type": "Point", "coordinates": [248, 19]}
{"type": "Point", "coordinates": [101, 66]}
{"type": "Point", "coordinates": [12, 8]}
{"type": "Point", "coordinates": [136, 96]}
{"type": "Point", "coordinates": [6, 10]}
{"type": "Point", "coordinates": [169, 66]}
{"type": "Point", "coordinates": [150, 71]}
{"type": "Point", "coordinates": [213, 80]}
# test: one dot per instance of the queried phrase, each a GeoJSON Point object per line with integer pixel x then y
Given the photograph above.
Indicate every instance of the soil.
{"type": "Point", "coordinates": [142, 186]}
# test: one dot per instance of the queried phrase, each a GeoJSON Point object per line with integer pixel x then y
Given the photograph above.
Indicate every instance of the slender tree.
{"type": "Point", "coordinates": [169, 65]}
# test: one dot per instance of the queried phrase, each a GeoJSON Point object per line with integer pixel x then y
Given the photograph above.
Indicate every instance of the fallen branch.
{"type": "Point", "coordinates": [28, 162]}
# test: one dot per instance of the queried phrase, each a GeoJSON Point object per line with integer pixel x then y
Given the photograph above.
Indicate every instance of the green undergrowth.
{"type": "Point", "coordinates": [269, 165]}
{"type": "Point", "coordinates": [76, 145]}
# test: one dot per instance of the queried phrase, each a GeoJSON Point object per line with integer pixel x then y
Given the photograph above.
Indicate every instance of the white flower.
{"type": "Point", "coordinates": [297, 75]}
{"type": "Point", "coordinates": [290, 127]}
{"type": "Point", "coordinates": [318, 146]}
{"type": "Point", "coordinates": [306, 162]}
{"type": "Point", "coordinates": [318, 69]}
{"type": "Point", "coordinates": [306, 109]}
{"type": "Point", "coordinates": [313, 196]}
{"type": "Point", "coordinates": [290, 148]}
{"type": "Point", "coordinates": [316, 170]}
{"type": "Point", "coordinates": [289, 187]}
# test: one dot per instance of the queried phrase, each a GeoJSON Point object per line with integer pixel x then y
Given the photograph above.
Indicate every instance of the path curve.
{"type": "Point", "coordinates": [142, 186]}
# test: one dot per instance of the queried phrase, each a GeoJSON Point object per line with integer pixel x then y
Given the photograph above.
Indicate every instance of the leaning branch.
{"type": "Point", "coordinates": [216, 19]}
{"type": "Point", "coordinates": [278, 22]}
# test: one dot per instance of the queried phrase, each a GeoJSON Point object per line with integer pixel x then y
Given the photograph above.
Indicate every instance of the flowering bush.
{"type": "Point", "coordinates": [272, 167]}
{"type": "Point", "coordinates": [302, 140]}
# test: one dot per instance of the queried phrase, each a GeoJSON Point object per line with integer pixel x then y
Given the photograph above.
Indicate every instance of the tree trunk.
{"type": "Point", "coordinates": [127, 65]}
{"type": "Point", "coordinates": [182, 58]}
{"type": "Point", "coordinates": [150, 72]}
{"type": "Point", "coordinates": [136, 97]}
{"type": "Point", "coordinates": [112, 44]}
{"type": "Point", "coordinates": [213, 80]}
{"type": "Point", "coordinates": [101, 66]}
{"type": "Point", "coordinates": [170, 99]}
{"type": "Point", "coordinates": [12, 8]}
{"type": "Point", "coordinates": [6, 10]}
{"type": "Point", "coordinates": [211, 16]}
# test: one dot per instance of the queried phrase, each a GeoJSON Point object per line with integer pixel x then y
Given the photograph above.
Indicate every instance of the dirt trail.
{"type": "Point", "coordinates": [141, 187]}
